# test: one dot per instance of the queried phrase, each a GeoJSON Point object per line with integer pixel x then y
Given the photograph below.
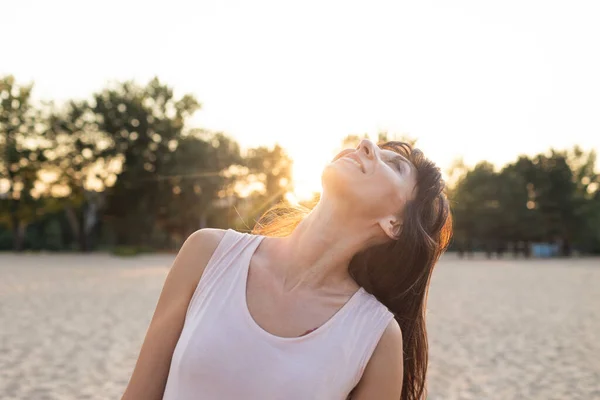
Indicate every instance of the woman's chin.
{"type": "Point", "coordinates": [337, 179]}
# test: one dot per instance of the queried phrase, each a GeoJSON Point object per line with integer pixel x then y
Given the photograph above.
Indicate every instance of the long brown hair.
{"type": "Point", "coordinates": [397, 273]}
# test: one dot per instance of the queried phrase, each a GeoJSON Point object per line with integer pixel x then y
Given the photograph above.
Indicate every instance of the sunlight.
{"type": "Point", "coordinates": [304, 191]}
{"type": "Point", "coordinates": [291, 198]}
{"type": "Point", "coordinates": [308, 166]}
{"type": "Point", "coordinates": [310, 158]}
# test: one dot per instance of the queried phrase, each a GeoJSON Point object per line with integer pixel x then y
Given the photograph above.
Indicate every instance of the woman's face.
{"type": "Point", "coordinates": [376, 183]}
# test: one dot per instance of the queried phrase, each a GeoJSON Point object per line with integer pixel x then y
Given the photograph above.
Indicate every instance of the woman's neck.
{"type": "Point", "coordinates": [317, 253]}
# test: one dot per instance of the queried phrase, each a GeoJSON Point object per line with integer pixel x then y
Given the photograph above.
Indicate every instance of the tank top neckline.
{"type": "Point", "coordinates": [257, 240]}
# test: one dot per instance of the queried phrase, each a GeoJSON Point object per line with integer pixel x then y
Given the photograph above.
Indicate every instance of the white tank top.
{"type": "Point", "coordinates": [223, 354]}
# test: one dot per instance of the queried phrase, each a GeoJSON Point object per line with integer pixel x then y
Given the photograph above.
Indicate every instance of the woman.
{"type": "Point", "coordinates": [330, 305]}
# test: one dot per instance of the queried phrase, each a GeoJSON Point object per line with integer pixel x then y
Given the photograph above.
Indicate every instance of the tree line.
{"type": "Point", "coordinates": [551, 198]}
{"type": "Point", "coordinates": [123, 169]}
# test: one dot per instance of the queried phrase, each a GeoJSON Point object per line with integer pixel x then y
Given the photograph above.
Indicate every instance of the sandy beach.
{"type": "Point", "coordinates": [71, 326]}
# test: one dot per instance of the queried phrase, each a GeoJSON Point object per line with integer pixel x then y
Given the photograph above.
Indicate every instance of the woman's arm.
{"type": "Point", "coordinates": [149, 376]}
{"type": "Point", "coordinates": [382, 378]}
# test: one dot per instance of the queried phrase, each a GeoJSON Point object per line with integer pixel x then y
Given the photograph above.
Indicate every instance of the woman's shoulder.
{"type": "Point", "coordinates": [198, 249]}
{"type": "Point", "coordinates": [206, 238]}
{"type": "Point", "coordinates": [204, 243]}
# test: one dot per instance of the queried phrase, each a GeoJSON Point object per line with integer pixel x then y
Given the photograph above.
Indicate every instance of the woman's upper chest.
{"type": "Point", "coordinates": [288, 314]}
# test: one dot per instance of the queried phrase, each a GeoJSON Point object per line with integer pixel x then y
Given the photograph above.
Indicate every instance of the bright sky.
{"type": "Point", "coordinates": [479, 79]}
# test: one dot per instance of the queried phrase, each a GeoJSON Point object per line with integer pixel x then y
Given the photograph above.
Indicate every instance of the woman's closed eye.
{"type": "Point", "coordinates": [398, 164]}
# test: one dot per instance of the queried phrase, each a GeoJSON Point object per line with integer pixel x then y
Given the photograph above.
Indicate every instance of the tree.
{"type": "Point", "coordinates": [586, 197]}
{"type": "Point", "coordinates": [520, 222]}
{"type": "Point", "coordinates": [145, 125]}
{"type": "Point", "coordinates": [197, 184]}
{"type": "Point", "coordinates": [554, 190]}
{"type": "Point", "coordinates": [84, 166]}
{"type": "Point", "coordinates": [270, 173]}
{"type": "Point", "coordinates": [550, 198]}
{"type": "Point", "coordinates": [476, 208]}
{"type": "Point", "coordinates": [21, 155]}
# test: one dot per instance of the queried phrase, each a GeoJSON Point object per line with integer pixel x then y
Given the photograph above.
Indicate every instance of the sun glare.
{"type": "Point", "coordinates": [308, 166]}
{"type": "Point", "coordinates": [310, 158]}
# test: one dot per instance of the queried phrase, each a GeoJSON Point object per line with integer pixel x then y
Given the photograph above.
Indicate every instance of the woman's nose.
{"type": "Point", "coordinates": [367, 148]}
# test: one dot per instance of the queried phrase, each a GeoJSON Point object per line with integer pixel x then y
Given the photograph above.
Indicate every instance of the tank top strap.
{"type": "Point", "coordinates": [217, 272]}
{"type": "Point", "coordinates": [373, 318]}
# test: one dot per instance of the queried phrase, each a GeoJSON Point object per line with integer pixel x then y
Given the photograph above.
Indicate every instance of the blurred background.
{"type": "Point", "coordinates": [126, 126]}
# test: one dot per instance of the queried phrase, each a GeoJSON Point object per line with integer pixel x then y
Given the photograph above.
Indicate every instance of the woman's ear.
{"type": "Point", "coordinates": [392, 226]}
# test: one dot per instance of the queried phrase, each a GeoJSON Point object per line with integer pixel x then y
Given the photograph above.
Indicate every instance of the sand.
{"type": "Point", "coordinates": [71, 326]}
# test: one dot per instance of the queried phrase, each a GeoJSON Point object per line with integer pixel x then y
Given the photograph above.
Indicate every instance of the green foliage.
{"type": "Point", "coordinates": [22, 148]}
{"type": "Point", "coordinates": [548, 198]}
{"type": "Point", "coordinates": [144, 126]}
